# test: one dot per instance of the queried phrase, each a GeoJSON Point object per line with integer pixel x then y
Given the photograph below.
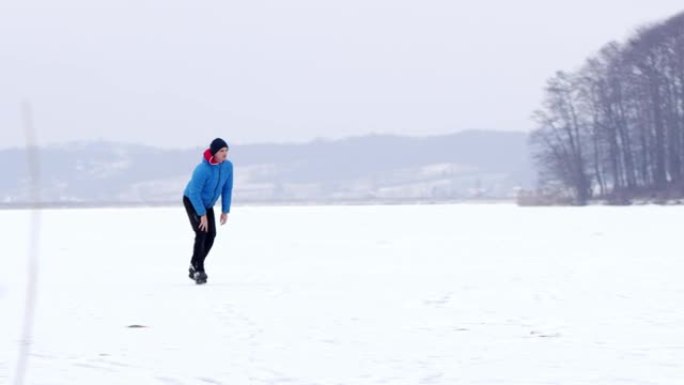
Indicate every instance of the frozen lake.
{"type": "Point", "coordinates": [423, 294]}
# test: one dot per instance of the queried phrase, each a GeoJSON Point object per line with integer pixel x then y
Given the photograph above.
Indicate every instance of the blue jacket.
{"type": "Point", "coordinates": [208, 182]}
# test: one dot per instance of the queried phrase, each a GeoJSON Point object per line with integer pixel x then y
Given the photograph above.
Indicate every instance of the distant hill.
{"type": "Point", "coordinates": [466, 165]}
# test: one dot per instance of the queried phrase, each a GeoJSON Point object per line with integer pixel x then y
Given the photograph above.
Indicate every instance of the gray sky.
{"type": "Point", "coordinates": [176, 73]}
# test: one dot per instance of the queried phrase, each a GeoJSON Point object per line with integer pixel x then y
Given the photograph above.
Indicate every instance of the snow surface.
{"type": "Point", "coordinates": [424, 294]}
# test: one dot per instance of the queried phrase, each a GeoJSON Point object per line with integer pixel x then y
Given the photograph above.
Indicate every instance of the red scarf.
{"type": "Point", "coordinates": [210, 158]}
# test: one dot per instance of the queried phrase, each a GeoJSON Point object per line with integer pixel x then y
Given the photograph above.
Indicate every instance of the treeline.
{"type": "Point", "coordinates": [614, 129]}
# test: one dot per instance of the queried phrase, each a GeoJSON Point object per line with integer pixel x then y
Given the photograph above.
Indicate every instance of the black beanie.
{"type": "Point", "coordinates": [216, 145]}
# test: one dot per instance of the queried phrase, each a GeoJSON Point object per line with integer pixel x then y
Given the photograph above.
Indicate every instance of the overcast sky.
{"type": "Point", "coordinates": [176, 73]}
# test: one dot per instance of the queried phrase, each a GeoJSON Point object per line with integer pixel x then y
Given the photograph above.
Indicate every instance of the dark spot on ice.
{"type": "Point", "coordinates": [544, 335]}
{"type": "Point", "coordinates": [209, 380]}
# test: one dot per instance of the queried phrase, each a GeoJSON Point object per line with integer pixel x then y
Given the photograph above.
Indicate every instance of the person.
{"type": "Point", "coordinates": [212, 178]}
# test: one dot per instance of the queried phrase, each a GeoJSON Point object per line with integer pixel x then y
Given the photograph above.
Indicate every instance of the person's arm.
{"type": "Point", "coordinates": [197, 182]}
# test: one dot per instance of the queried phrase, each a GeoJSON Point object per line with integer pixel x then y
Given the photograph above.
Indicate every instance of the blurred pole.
{"type": "Point", "coordinates": [33, 162]}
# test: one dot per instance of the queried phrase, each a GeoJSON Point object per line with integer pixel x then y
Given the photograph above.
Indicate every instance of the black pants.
{"type": "Point", "coordinates": [203, 239]}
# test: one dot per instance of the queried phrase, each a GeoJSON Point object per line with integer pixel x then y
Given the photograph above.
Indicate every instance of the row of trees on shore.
{"type": "Point", "coordinates": [614, 129]}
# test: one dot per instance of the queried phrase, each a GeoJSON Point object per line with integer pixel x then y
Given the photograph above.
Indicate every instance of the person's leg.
{"type": "Point", "coordinates": [209, 237]}
{"type": "Point", "coordinates": [198, 251]}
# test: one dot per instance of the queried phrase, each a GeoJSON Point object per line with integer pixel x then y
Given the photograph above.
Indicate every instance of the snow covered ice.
{"type": "Point", "coordinates": [422, 294]}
